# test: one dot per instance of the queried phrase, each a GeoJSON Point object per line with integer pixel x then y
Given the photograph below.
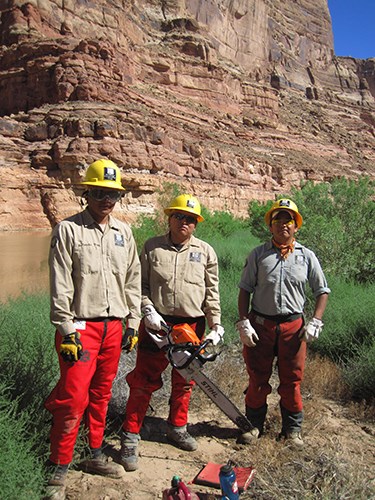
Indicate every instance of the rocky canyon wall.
{"type": "Point", "coordinates": [232, 100]}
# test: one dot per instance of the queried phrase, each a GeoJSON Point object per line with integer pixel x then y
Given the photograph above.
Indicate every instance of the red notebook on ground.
{"type": "Point", "coordinates": [209, 476]}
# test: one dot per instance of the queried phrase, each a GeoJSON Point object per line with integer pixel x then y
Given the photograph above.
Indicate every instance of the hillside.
{"type": "Point", "coordinates": [233, 100]}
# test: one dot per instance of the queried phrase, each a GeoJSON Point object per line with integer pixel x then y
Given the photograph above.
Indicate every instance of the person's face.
{"type": "Point", "coordinates": [283, 227]}
{"type": "Point", "coordinates": [101, 202]}
{"type": "Point", "coordinates": [181, 226]}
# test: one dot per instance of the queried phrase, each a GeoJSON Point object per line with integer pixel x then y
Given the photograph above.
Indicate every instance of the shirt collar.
{"type": "Point", "coordinates": [89, 221]}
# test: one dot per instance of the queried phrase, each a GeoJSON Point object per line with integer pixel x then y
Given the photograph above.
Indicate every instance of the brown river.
{"type": "Point", "coordinates": [23, 263]}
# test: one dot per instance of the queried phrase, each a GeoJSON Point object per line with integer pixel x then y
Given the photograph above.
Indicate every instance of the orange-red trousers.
{"type": "Point", "coordinates": [84, 389]}
{"type": "Point", "coordinates": [146, 379]}
{"type": "Point", "coordinates": [281, 340]}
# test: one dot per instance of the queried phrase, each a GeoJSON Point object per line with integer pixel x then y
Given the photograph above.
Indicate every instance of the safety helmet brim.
{"type": "Point", "coordinates": [104, 184]}
{"type": "Point", "coordinates": [170, 210]}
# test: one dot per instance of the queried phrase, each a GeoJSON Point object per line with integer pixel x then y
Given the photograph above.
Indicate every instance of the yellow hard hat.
{"type": "Point", "coordinates": [103, 173]}
{"type": "Point", "coordinates": [284, 204]}
{"type": "Point", "coordinates": [185, 203]}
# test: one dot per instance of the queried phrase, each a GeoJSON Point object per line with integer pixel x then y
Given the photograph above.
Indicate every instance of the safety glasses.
{"type": "Point", "coordinates": [281, 222]}
{"type": "Point", "coordinates": [101, 194]}
{"type": "Point", "coordinates": [188, 218]}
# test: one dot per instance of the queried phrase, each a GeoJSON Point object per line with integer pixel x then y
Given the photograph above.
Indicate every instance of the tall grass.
{"type": "Point", "coordinates": [28, 370]}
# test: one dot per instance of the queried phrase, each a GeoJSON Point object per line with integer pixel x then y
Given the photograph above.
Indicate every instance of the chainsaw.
{"type": "Point", "coordinates": [187, 354]}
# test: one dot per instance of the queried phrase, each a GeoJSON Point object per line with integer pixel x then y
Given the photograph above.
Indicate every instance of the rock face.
{"type": "Point", "coordinates": [232, 100]}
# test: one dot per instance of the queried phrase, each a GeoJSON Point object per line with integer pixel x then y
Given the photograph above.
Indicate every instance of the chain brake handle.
{"type": "Point", "coordinates": [195, 353]}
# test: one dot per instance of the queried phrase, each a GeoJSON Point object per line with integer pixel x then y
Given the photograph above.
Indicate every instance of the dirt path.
{"type": "Point", "coordinates": [338, 460]}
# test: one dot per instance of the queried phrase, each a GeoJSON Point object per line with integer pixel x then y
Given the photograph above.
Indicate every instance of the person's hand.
{"type": "Point", "coordinates": [311, 331]}
{"type": "Point", "coordinates": [152, 318]}
{"type": "Point", "coordinates": [129, 339]}
{"type": "Point", "coordinates": [71, 347]}
{"type": "Point", "coordinates": [247, 333]}
{"type": "Point", "coordinates": [216, 334]}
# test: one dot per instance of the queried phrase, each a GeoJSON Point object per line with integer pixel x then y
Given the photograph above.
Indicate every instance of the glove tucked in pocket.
{"type": "Point", "coordinates": [71, 349]}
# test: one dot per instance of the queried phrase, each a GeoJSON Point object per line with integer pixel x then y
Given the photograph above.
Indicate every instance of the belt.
{"type": "Point", "coordinates": [99, 320]}
{"type": "Point", "coordinates": [279, 318]}
{"type": "Point", "coordinates": [175, 320]}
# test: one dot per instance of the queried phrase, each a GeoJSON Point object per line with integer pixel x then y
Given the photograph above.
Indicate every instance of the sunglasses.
{"type": "Point", "coordinates": [280, 222]}
{"type": "Point", "coordinates": [101, 194]}
{"type": "Point", "coordinates": [188, 218]}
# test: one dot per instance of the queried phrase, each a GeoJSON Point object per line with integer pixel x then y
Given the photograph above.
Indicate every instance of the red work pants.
{"type": "Point", "coordinates": [281, 340]}
{"type": "Point", "coordinates": [84, 387]}
{"type": "Point", "coordinates": [146, 379]}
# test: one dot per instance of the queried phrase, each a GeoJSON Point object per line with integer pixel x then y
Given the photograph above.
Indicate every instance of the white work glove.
{"type": "Point", "coordinates": [152, 319]}
{"type": "Point", "coordinates": [247, 333]}
{"type": "Point", "coordinates": [311, 331]}
{"type": "Point", "coordinates": [216, 334]}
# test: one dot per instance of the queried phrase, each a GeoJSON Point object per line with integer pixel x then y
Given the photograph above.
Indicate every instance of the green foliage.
{"type": "Point", "coordinates": [232, 252]}
{"type": "Point", "coordinates": [28, 364]}
{"type": "Point", "coordinates": [21, 473]}
{"type": "Point", "coordinates": [348, 335]}
{"type": "Point", "coordinates": [148, 226]}
{"type": "Point", "coordinates": [27, 372]}
{"type": "Point", "coordinates": [337, 225]}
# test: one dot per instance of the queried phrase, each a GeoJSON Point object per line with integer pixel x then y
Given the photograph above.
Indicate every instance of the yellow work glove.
{"type": "Point", "coordinates": [129, 339]}
{"type": "Point", "coordinates": [71, 347]}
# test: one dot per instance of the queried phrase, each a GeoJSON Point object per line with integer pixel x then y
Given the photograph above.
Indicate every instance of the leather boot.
{"type": "Point", "coordinates": [129, 451]}
{"type": "Point", "coordinates": [256, 416]}
{"type": "Point", "coordinates": [291, 427]}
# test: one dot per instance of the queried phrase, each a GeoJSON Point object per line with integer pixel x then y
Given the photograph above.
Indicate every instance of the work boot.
{"type": "Point", "coordinates": [129, 451]}
{"type": "Point", "coordinates": [249, 437]}
{"type": "Point", "coordinates": [55, 489]}
{"type": "Point", "coordinates": [99, 464]}
{"type": "Point", "coordinates": [291, 427]}
{"type": "Point", "coordinates": [256, 416]}
{"type": "Point", "coordinates": [294, 439]}
{"type": "Point", "coordinates": [181, 438]}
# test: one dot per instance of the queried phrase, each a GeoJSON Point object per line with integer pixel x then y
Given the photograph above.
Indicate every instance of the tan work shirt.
{"type": "Point", "coordinates": [93, 274]}
{"type": "Point", "coordinates": [181, 282]}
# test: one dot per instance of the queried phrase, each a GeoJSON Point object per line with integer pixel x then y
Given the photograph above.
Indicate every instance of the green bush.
{"type": "Point", "coordinates": [21, 473]}
{"type": "Point", "coordinates": [232, 253]}
{"type": "Point", "coordinates": [348, 335]}
{"type": "Point", "coordinates": [28, 363]}
{"type": "Point", "coordinates": [336, 225]}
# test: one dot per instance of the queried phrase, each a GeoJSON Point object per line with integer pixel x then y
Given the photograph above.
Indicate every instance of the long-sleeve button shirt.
{"type": "Point", "coordinates": [93, 273]}
{"type": "Point", "coordinates": [181, 282]}
{"type": "Point", "coordinates": [278, 286]}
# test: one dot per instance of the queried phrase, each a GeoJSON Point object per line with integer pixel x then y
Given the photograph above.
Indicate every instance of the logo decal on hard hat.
{"type": "Point", "coordinates": [284, 203]}
{"type": "Point", "coordinates": [109, 174]}
{"type": "Point", "coordinates": [190, 203]}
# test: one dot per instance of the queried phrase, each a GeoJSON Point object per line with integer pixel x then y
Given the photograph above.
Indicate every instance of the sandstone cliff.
{"type": "Point", "coordinates": [234, 100]}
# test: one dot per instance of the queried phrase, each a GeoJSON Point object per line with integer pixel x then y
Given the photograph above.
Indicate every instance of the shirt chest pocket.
{"type": "Point", "coordinates": [118, 260]}
{"type": "Point", "coordinates": [86, 258]}
{"type": "Point", "coordinates": [297, 273]}
{"type": "Point", "coordinates": [194, 273]}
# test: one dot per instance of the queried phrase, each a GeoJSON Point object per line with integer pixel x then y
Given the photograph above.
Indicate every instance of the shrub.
{"type": "Point", "coordinates": [335, 225]}
{"type": "Point", "coordinates": [28, 364]}
{"type": "Point", "coordinates": [21, 473]}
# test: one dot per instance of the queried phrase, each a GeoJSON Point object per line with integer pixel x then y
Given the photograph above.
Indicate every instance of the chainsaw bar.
{"type": "Point", "coordinates": [193, 372]}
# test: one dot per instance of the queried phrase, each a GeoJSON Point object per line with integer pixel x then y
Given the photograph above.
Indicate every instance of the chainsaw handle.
{"type": "Point", "coordinates": [193, 354]}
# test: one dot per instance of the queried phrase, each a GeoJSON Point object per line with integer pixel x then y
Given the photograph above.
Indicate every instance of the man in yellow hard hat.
{"type": "Point", "coordinates": [180, 284]}
{"type": "Point", "coordinates": [95, 282]}
{"type": "Point", "coordinates": [274, 278]}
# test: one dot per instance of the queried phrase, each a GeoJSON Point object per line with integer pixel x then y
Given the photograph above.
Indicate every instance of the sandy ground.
{"type": "Point", "coordinates": [335, 445]}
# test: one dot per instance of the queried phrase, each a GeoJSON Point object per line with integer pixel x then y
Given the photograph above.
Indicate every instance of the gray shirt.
{"type": "Point", "coordinates": [278, 286]}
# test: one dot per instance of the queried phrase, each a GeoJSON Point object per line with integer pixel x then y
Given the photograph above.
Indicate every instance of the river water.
{"type": "Point", "coordinates": [23, 263]}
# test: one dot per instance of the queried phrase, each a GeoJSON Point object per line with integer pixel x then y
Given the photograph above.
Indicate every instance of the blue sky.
{"type": "Point", "coordinates": [353, 24]}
